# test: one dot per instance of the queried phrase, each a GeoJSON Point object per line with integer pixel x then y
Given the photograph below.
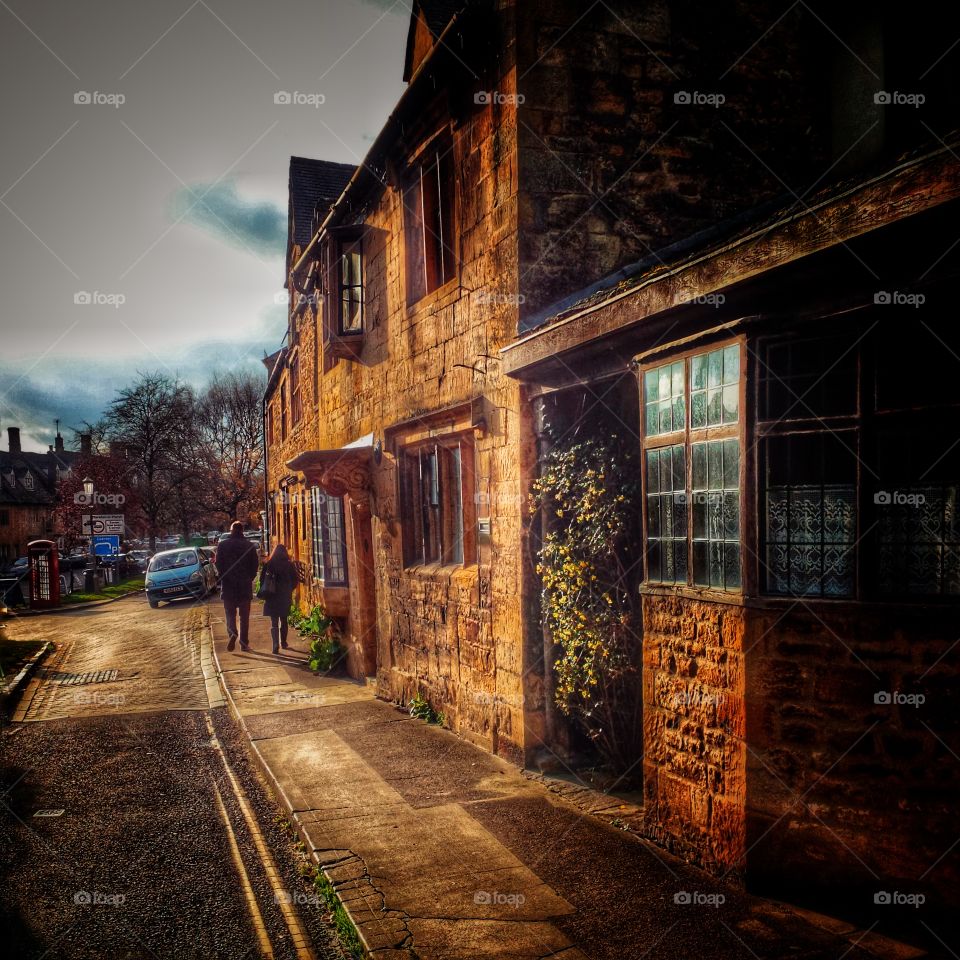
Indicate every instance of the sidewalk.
{"type": "Point", "coordinates": [436, 846]}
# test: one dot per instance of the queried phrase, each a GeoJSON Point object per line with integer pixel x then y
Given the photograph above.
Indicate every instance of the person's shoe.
{"type": "Point", "coordinates": [244, 646]}
{"type": "Point", "coordinates": [285, 645]}
{"type": "Point", "coordinates": [276, 650]}
{"type": "Point", "coordinates": [232, 643]}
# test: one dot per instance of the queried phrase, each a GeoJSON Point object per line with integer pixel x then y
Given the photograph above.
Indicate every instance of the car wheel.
{"type": "Point", "coordinates": [154, 603]}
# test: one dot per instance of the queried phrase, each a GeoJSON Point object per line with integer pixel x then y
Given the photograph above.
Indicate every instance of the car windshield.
{"type": "Point", "coordinates": [176, 558]}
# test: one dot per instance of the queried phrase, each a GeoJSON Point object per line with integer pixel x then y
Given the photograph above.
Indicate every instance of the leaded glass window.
{"type": "Point", "coordinates": [664, 399]}
{"type": "Point", "coordinates": [667, 514]}
{"type": "Point", "coordinates": [693, 488]}
{"type": "Point", "coordinates": [328, 538]}
{"type": "Point", "coordinates": [716, 514]}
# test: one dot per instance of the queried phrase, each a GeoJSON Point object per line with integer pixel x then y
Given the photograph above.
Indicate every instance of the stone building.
{"type": "Point", "coordinates": [730, 227]}
{"type": "Point", "coordinates": [28, 491]}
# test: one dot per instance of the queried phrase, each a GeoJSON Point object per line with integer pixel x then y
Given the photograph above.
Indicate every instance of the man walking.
{"type": "Point", "coordinates": [237, 563]}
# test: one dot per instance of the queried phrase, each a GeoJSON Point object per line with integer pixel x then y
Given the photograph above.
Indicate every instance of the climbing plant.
{"type": "Point", "coordinates": [589, 493]}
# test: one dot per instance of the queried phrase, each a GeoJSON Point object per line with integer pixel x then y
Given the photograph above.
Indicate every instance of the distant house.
{"type": "Point", "coordinates": [28, 489]}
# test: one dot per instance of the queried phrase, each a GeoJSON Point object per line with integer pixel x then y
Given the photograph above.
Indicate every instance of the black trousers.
{"type": "Point", "coordinates": [278, 631]}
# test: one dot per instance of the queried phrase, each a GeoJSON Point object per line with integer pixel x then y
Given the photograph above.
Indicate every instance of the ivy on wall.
{"type": "Point", "coordinates": [589, 492]}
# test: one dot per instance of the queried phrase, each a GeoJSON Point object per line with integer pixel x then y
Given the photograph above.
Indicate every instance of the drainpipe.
{"type": "Point", "coordinates": [266, 500]}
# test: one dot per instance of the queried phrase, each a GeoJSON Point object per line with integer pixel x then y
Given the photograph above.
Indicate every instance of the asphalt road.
{"type": "Point", "coordinates": [168, 845]}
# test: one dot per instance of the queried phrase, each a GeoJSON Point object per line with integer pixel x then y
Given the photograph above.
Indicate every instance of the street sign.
{"type": "Point", "coordinates": [105, 546]}
{"type": "Point", "coordinates": [103, 523]}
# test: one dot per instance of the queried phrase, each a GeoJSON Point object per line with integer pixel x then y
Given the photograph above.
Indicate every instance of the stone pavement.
{"type": "Point", "coordinates": [443, 852]}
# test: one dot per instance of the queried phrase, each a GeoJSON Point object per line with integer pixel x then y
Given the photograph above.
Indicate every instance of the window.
{"type": "Point", "coordinates": [436, 484]}
{"type": "Point", "coordinates": [28, 480]}
{"type": "Point", "coordinates": [859, 465]}
{"type": "Point", "coordinates": [428, 208]}
{"type": "Point", "coordinates": [4, 518]}
{"type": "Point", "coordinates": [296, 405]}
{"type": "Point", "coordinates": [270, 435]}
{"type": "Point", "coordinates": [350, 285]}
{"type": "Point", "coordinates": [329, 551]}
{"type": "Point", "coordinates": [283, 411]}
{"type": "Point", "coordinates": [692, 469]}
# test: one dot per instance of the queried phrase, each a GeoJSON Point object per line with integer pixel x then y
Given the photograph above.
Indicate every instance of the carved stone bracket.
{"type": "Point", "coordinates": [339, 472]}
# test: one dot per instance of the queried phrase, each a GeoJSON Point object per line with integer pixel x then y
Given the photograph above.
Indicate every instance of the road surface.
{"type": "Point", "coordinates": [131, 824]}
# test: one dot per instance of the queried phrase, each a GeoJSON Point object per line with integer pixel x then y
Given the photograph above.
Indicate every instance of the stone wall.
{"type": "Point", "coordinates": [609, 161]}
{"type": "Point", "coordinates": [694, 736]}
{"type": "Point", "coordinates": [25, 523]}
{"type": "Point", "coordinates": [852, 721]}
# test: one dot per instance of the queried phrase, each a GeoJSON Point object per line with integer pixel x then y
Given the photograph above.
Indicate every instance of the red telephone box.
{"type": "Point", "coordinates": [44, 574]}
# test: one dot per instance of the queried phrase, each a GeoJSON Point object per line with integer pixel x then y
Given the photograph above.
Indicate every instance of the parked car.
{"type": "Point", "coordinates": [141, 558]}
{"type": "Point", "coordinates": [18, 568]}
{"type": "Point", "coordinates": [211, 554]}
{"type": "Point", "coordinates": [177, 574]}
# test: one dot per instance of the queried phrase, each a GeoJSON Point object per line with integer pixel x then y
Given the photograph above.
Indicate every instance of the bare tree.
{"type": "Point", "coordinates": [152, 418]}
{"type": "Point", "coordinates": [230, 433]}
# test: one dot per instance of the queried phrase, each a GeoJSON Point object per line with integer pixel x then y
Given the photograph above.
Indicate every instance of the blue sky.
{"type": "Point", "coordinates": [145, 171]}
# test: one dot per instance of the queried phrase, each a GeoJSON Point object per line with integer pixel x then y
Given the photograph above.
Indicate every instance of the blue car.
{"type": "Point", "coordinates": [179, 574]}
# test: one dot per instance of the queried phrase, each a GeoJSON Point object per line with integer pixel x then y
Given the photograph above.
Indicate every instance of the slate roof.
{"type": "Point", "coordinates": [17, 468]}
{"type": "Point", "coordinates": [314, 186]}
{"type": "Point", "coordinates": [439, 13]}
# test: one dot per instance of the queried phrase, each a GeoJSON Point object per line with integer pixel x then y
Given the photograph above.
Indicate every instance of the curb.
{"type": "Point", "coordinates": [70, 607]}
{"type": "Point", "coordinates": [12, 690]}
{"type": "Point", "coordinates": [274, 785]}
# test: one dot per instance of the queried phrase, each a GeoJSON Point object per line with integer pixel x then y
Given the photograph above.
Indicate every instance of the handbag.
{"type": "Point", "coordinates": [268, 585]}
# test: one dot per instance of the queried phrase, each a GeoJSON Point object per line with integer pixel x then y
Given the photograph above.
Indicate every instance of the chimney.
{"type": "Point", "coordinates": [58, 443]}
{"type": "Point", "coordinates": [86, 444]}
{"type": "Point", "coordinates": [14, 434]}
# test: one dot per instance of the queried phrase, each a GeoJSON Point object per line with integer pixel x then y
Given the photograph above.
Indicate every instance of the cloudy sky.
{"type": "Point", "coordinates": [161, 200]}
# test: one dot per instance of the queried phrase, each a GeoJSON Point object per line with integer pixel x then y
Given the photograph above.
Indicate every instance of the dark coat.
{"type": "Point", "coordinates": [237, 564]}
{"type": "Point", "coordinates": [278, 603]}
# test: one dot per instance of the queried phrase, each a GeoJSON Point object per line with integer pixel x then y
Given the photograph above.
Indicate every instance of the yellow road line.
{"type": "Point", "coordinates": [266, 948]}
{"type": "Point", "coordinates": [281, 896]}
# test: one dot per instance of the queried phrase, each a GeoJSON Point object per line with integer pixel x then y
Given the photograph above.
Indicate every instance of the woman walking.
{"type": "Point", "coordinates": [278, 579]}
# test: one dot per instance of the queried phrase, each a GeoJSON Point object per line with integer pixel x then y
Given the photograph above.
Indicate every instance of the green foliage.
{"type": "Point", "coordinates": [589, 492]}
{"type": "Point", "coordinates": [421, 709]}
{"type": "Point", "coordinates": [346, 931]}
{"type": "Point", "coordinates": [326, 650]}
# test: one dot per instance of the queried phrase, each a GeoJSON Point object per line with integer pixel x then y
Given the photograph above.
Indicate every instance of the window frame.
{"type": "Point", "coordinates": [296, 397]}
{"type": "Point", "coordinates": [425, 266]}
{"type": "Point", "coordinates": [688, 436]}
{"type": "Point", "coordinates": [321, 540]}
{"type": "Point", "coordinates": [463, 506]}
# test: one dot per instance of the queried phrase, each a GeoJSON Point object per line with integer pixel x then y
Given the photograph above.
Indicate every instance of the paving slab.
{"type": "Point", "coordinates": [436, 846]}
